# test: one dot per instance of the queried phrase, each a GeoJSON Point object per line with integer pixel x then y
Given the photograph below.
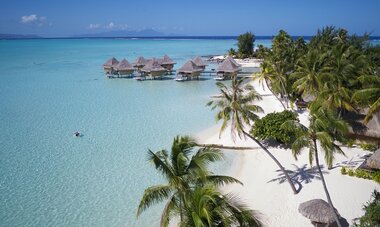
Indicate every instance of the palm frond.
{"type": "Point", "coordinates": [153, 195]}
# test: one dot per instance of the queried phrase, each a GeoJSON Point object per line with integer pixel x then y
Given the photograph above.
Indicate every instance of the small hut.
{"type": "Point", "coordinates": [189, 70]}
{"type": "Point", "coordinates": [228, 69]}
{"type": "Point", "coordinates": [125, 68]}
{"type": "Point", "coordinates": [154, 69]}
{"type": "Point", "coordinates": [140, 63]}
{"type": "Point", "coordinates": [374, 161]}
{"type": "Point", "coordinates": [167, 62]}
{"type": "Point", "coordinates": [318, 211]}
{"type": "Point", "coordinates": [200, 63]}
{"type": "Point", "coordinates": [109, 66]}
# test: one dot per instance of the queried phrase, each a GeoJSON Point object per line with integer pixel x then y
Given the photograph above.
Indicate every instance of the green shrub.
{"type": "Point", "coordinates": [350, 172]}
{"type": "Point", "coordinates": [269, 127]}
{"type": "Point", "coordinates": [376, 177]}
{"type": "Point", "coordinates": [368, 146]}
{"type": "Point", "coordinates": [372, 212]}
{"type": "Point", "coordinates": [343, 170]}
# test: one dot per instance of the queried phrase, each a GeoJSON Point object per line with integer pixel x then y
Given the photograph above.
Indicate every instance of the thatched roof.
{"type": "Point", "coordinates": [166, 60]}
{"type": "Point", "coordinates": [189, 67]}
{"type": "Point", "coordinates": [317, 210]}
{"type": "Point", "coordinates": [153, 66]}
{"type": "Point", "coordinates": [374, 160]}
{"type": "Point", "coordinates": [357, 126]}
{"type": "Point", "coordinates": [140, 61]}
{"type": "Point", "coordinates": [111, 62]}
{"type": "Point", "coordinates": [124, 65]}
{"type": "Point", "coordinates": [199, 62]}
{"type": "Point", "coordinates": [229, 65]}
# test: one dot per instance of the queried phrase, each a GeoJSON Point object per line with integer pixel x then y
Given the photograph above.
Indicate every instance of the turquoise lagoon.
{"type": "Point", "coordinates": [52, 88]}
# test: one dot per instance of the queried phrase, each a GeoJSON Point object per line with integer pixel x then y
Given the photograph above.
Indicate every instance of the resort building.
{"type": "Point", "coordinates": [167, 62]}
{"type": "Point", "coordinates": [199, 62]}
{"type": "Point", "coordinates": [124, 68]}
{"type": "Point", "coordinates": [153, 69]}
{"type": "Point", "coordinates": [188, 71]}
{"type": "Point", "coordinates": [140, 63]}
{"type": "Point", "coordinates": [110, 65]}
{"type": "Point", "coordinates": [228, 69]}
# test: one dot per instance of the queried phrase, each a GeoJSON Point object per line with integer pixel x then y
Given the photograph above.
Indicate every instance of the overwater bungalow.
{"type": "Point", "coordinates": [110, 65]}
{"type": "Point", "coordinates": [228, 69]}
{"type": "Point", "coordinates": [153, 69]}
{"type": "Point", "coordinates": [199, 62]}
{"type": "Point", "coordinates": [124, 68]}
{"type": "Point", "coordinates": [140, 63]}
{"type": "Point", "coordinates": [188, 71]}
{"type": "Point", "coordinates": [167, 62]}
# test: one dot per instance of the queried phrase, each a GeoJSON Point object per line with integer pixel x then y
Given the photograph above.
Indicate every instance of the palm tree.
{"type": "Point", "coordinates": [336, 91]}
{"type": "Point", "coordinates": [309, 70]}
{"type": "Point", "coordinates": [236, 108]}
{"type": "Point", "coordinates": [371, 95]}
{"type": "Point", "coordinates": [324, 127]}
{"type": "Point", "coordinates": [267, 74]}
{"type": "Point", "coordinates": [182, 172]}
{"type": "Point", "coordinates": [205, 206]}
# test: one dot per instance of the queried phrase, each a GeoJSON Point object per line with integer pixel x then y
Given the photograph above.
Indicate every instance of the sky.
{"type": "Point", "coordinates": [64, 18]}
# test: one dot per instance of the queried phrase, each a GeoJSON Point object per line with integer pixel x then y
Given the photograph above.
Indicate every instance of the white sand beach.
{"type": "Point", "coordinates": [276, 201]}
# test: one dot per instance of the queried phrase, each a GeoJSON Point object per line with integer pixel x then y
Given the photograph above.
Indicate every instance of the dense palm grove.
{"type": "Point", "coordinates": [339, 70]}
{"type": "Point", "coordinates": [336, 72]}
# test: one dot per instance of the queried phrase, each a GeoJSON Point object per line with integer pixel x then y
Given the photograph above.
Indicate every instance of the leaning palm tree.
{"type": "Point", "coordinates": [324, 127]}
{"type": "Point", "coordinates": [183, 172]}
{"type": "Point", "coordinates": [236, 108]}
{"type": "Point", "coordinates": [206, 206]}
{"type": "Point", "coordinates": [267, 75]}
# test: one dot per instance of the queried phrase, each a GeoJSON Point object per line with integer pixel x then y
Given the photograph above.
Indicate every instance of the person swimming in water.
{"type": "Point", "coordinates": [77, 134]}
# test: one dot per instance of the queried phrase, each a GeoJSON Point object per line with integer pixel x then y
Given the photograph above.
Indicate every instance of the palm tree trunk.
{"type": "Point", "coordinates": [284, 90]}
{"type": "Point", "coordinates": [324, 184]}
{"type": "Point", "coordinates": [275, 160]}
{"type": "Point", "coordinates": [270, 89]}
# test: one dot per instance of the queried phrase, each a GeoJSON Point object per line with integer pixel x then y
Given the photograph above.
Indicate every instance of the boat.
{"type": "Point", "coordinates": [180, 78]}
{"type": "Point", "coordinates": [219, 77]}
{"type": "Point", "coordinates": [140, 78]}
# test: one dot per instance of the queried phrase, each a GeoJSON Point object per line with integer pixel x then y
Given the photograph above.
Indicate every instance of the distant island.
{"type": "Point", "coordinates": [17, 36]}
{"type": "Point", "coordinates": [123, 33]}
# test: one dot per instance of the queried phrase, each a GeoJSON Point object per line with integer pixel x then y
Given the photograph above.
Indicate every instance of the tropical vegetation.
{"type": "Point", "coordinates": [191, 190]}
{"type": "Point", "coordinates": [245, 45]}
{"type": "Point", "coordinates": [340, 70]}
{"type": "Point", "coordinates": [371, 218]}
{"type": "Point", "coordinates": [269, 127]}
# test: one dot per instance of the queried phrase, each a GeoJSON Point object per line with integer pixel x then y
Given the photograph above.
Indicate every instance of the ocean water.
{"type": "Point", "coordinates": [52, 88]}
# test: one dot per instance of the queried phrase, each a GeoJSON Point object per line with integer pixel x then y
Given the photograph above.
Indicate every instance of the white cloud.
{"type": "Point", "coordinates": [94, 26]}
{"type": "Point", "coordinates": [110, 25]}
{"type": "Point", "coordinates": [29, 19]}
{"type": "Point", "coordinates": [36, 20]}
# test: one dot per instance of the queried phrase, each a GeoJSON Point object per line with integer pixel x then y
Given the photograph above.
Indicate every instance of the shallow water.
{"type": "Point", "coordinates": [52, 88]}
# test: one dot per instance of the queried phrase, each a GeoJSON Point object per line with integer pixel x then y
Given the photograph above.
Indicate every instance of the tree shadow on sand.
{"type": "Point", "coordinates": [301, 175]}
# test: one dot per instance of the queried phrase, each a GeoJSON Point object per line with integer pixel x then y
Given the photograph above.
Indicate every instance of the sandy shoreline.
{"type": "Point", "coordinates": [276, 201]}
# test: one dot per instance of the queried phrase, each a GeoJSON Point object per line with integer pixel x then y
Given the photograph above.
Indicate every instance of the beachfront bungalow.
{"type": "Point", "coordinates": [124, 68]}
{"type": "Point", "coordinates": [228, 69]}
{"type": "Point", "coordinates": [140, 63]}
{"type": "Point", "coordinates": [200, 63]}
{"type": "Point", "coordinates": [369, 132]}
{"type": "Point", "coordinates": [110, 65]}
{"type": "Point", "coordinates": [153, 69]}
{"type": "Point", "coordinates": [188, 71]}
{"type": "Point", "coordinates": [167, 62]}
